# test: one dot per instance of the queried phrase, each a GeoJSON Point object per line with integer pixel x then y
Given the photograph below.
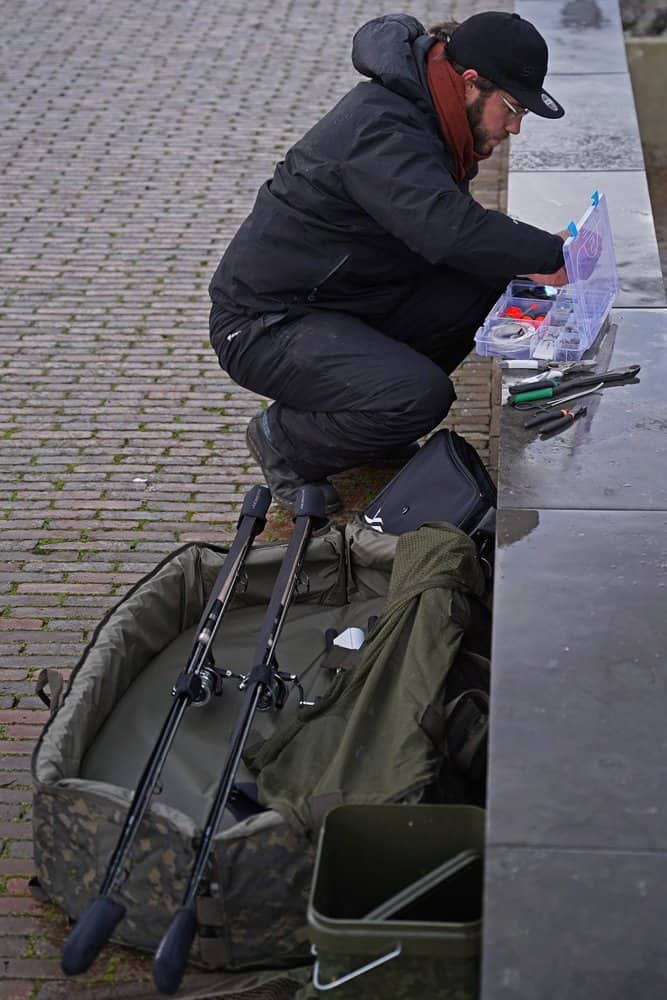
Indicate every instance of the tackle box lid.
{"type": "Point", "coordinates": [590, 263]}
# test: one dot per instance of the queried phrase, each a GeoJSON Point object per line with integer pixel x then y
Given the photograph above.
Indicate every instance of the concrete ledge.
{"type": "Point", "coordinates": [577, 822]}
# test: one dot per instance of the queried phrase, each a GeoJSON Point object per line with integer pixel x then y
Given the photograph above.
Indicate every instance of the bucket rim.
{"type": "Point", "coordinates": [335, 936]}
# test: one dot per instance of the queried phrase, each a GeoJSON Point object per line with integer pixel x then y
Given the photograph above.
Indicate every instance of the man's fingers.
{"type": "Point", "coordinates": [557, 279]}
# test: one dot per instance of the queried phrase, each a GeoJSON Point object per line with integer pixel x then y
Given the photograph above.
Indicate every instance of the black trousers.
{"type": "Point", "coordinates": [347, 389]}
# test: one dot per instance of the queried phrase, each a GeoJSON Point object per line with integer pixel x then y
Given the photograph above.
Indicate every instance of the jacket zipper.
{"type": "Point", "coordinates": [313, 293]}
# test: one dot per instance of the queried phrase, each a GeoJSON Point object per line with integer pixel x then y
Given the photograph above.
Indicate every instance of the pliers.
{"type": "Point", "coordinates": [548, 423]}
{"type": "Point", "coordinates": [550, 387]}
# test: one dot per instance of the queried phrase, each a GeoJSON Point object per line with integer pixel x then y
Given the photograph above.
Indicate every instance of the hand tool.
{"type": "Point", "coordinates": [537, 383]}
{"type": "Point", "coordinates": [529, 364]}
{"type": "Point", "coordinates": [547, 391]}
{"type": "Point", "coordinates": [558, 401]}
{"type": "Point", "coordinates": [563, 399]}
{"type": "Point", "coordinates": [572, 366]}
{"type": "Point", "coordinates": [561, 422]}
{"type": "Point", "coordinates": [549, 422]}
{"type": "Point", "coordinates": [554, 372]}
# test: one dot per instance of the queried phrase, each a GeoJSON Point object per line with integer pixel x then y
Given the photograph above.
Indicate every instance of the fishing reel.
{"type": "Point", "coordinates": [274, 695]}
{"type": "Point", "coordinates": [202, 685]}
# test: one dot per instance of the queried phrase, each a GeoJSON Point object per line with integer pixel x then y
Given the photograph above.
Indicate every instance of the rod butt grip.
{"type": "Point", "coordinates": [256, 502]}
{"type": "Point", "coordinates": [171, 957]}
{"type": "Point", "coordinates": [309, 502]}
{"type": "Point", "coordinates": [89, 935]}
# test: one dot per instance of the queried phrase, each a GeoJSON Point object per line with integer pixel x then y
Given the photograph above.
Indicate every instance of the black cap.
{"type": "Point", "coordinates": [509, 52]}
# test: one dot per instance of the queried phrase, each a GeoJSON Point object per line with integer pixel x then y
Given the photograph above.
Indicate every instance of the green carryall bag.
{"type": "Point", "coordinates": [252, 911]}
{"type": "Point", "coordinates": [378, 735]}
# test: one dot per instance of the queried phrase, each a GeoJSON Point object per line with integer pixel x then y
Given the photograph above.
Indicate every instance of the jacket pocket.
{"type": "Point", "coordinates": [314, 292]}
{"type": "Point", "coordinates": [271, 319]}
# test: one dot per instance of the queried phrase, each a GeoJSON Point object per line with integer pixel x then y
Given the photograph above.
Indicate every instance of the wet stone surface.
{"type": "Point", "coordinates": [604, 910]}
{"type": "Point", "coordinates": [552, 199]}
{"type": "Point", "coordinates": [579, 681]}
{"type": "Point", "coordinates": [577, 829]}
{"type": "Point", "coordinates": [614, 457]}
{"type": "Point", "coordinates": [606, 139]}
{"type": "Point", "coordinates": [583, 36]}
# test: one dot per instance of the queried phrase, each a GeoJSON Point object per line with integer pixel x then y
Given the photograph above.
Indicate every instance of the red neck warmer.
{"type": "Point", "coordinates": [448, 93]}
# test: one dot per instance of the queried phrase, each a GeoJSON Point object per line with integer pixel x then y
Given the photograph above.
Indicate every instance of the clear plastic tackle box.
{"type": "Point", "coordinates": [540, 321]}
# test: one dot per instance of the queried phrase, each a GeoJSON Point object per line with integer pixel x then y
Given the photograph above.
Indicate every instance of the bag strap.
{"type": "Point", "coordinates": [467, 731]}
{"type": "Point", "coordinates": [53, 680]}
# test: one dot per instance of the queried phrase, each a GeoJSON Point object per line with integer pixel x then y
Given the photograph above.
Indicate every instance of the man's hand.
{"type": "Point", "coordinates": [557, 279]}
{"type": "Point", "coordinates": [589, 250]}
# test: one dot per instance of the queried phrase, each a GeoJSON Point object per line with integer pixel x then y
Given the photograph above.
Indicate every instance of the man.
{"type": "Point", "coordinates": [356, 284]}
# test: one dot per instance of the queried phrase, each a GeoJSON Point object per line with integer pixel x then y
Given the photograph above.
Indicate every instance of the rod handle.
{"type": "Point", "coordinates": [309, 502]}
{"type": "Point", "coordinates": [172, 954]}
{"type": "Point", "coordinates": [89, 935]}
{"type": "Point", "coordinates": [256, 502]}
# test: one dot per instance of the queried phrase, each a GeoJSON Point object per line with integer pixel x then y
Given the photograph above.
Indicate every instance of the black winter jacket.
{"type": "Point", "coordinates": [367, 200]}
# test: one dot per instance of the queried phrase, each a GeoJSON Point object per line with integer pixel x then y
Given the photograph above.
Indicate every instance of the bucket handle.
{"type": "Point", "coordinates": [394, 953]}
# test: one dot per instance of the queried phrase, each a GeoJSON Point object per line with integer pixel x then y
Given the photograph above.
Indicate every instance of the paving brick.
{"type": "Point", "coordinates": [21, 849]}
{"type": "Point", "coordinates": [19, 732]}
{"type": "Point", "coordinates": [19, 906]}
{"type": "Point", "coordinates": [33, 968]}
{"type": "Point", "coordinates": [16, 989]}
{"type": "Point", "coordinates": [15, 831]}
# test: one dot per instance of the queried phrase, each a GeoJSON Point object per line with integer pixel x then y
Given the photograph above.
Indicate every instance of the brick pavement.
{"type": "Point", "coordinates": [135, 134]}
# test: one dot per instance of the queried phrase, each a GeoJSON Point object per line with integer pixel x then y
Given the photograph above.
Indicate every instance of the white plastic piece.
{"type": "Point", "coordinates": [351, 638]}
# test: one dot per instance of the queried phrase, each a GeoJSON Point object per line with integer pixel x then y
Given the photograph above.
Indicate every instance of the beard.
{"type": "Point", "coordinates": [483, 141]}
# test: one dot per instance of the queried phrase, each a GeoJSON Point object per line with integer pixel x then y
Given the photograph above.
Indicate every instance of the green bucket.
{"type": "Point", "coordinates": [429, 944]}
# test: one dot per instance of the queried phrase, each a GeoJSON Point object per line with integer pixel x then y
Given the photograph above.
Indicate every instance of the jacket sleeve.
{"type": "Point", "coordinates": [397, 173]}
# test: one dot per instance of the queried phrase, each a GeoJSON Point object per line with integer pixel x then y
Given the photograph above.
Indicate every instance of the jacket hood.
{"type": "Point", "coordinates": [392, 49]}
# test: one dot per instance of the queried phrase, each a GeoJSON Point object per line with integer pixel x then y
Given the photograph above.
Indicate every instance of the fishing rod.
{"type": "Point", "coordinates": [264, 687]}
{"type": "Point", "coordinates": [195, 685]}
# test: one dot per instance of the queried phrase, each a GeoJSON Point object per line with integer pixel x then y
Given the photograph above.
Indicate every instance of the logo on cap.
{"type": "Point", "coordinates": [550, 103]}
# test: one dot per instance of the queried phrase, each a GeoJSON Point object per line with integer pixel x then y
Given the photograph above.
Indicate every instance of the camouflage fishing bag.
{"type": "Point", "coordinates": [252, 910]}
{"type": "Point", "coordinates": [105, 722]}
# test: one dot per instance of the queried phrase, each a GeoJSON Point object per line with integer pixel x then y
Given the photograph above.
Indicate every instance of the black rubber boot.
{"type": "Point", "coordinates": [282, 480]}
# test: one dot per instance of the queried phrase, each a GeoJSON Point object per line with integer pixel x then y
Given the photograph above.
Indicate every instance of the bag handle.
{"type": "Point", "coordinates": [53, 680]}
